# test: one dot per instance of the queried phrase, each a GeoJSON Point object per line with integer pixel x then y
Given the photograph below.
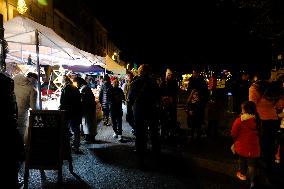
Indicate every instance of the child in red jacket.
{"type": "Point", "coordinates": [245, 135]}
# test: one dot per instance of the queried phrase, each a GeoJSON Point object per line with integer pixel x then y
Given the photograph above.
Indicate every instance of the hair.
{"type": "Point", "coordinates": [80, 81]}
{"type": "Point", "coordinates": [66, 79]}
{"type": "Point", "coordinates": [116, 83]}
{"type": "Point", "coordinates": [130, 74]}
{"type": "Point", "coordinates": [191, 94]}
{"type": "Point", "coordinates": [144, 69]}
{"type": "Point", "coordinates": [106, 78]}
{"type": "Point", "coordinates": [32, 75]}
{"type": "Point", "coordinates": [250, 108]}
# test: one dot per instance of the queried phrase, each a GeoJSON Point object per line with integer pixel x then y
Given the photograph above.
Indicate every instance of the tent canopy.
{"type": "Point", "coordinates": [20, 33]}
{"type": "Point", "coordinates": [85, 69]}
{"type": "Point", "coordinates": [111, 65]}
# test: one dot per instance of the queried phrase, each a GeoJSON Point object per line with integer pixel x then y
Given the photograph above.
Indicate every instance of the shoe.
{"type": "Point", "coordinates": [241, 176]}
{"type": "Point", "coordinates": [76, 150]}
{"type": "Point", "coordinates": [251, 185]}
{"type": "Point", "coordinates": [20, 181]}
{"type": "Point", "coordinates": [115, 135]}
{"type": "Point", "coordinates": [133, 132]}
{"type": "Point", "coordinates": [119, 138]}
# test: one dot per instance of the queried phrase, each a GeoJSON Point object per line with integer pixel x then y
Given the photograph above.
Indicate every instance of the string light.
{"type": "Point", "coordinates": [21, 6]}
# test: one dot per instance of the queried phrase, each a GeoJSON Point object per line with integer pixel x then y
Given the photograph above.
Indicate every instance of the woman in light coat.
{"type": "Point", "coordinates": [26, 97]}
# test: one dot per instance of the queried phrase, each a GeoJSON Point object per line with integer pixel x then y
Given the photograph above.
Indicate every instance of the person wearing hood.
{"type": "Point", "coordinates": [26, 97]}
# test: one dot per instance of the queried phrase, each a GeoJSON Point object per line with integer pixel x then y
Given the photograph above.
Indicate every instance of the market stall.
{"type": "Point", "coordinates": [33, 46]}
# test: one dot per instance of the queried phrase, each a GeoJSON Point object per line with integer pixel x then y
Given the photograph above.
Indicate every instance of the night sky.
{"type": "Point", "coordinates": [181, 34]}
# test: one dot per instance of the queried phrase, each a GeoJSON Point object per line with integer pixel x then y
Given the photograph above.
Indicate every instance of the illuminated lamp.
{"type": "Point", "coordinates": [21, 6]}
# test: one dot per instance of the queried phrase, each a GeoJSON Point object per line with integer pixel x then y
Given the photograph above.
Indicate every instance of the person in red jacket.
{"type": "Point", "coordinates": [245, 134]}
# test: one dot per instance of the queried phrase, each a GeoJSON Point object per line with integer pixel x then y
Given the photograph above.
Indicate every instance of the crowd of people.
{"type": "Point", "coordinates": [255, 131]}
{"type": "Point", "coordinates": [151, 105]}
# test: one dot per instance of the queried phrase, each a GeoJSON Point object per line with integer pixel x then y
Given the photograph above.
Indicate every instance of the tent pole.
{"type": "Point", "coordinates": [38, 70]}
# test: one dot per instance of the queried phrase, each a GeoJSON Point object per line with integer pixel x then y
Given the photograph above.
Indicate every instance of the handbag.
{"type": "Point", "coordinates": [233, 149]}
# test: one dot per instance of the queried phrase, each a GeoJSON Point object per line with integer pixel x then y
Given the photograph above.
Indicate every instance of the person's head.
{"type": "Point", "coordinates": [195, 73]}
{"type": "Point", "coordinates": [32, 77]}
{"type": "Point", "coordinates": [245, 76]}
{"type": "Point", "coordinates": [106, 79]}
{"type": "Point", "coordinates": [194, 95]}
{"type": "Point", "coordinates": [144, 69]}
{"type": "Point", "coordinates": [262, 75]}
{"type": "Point", "coordinates": [129, 76]}
{"type": "Point", "coordinates": [115, 83]}
{"type": "Point", "coordinates": [249, 107]}
{"type": "Point", "coordinates": [66, 80]}
{"type": "Point", "coordinates": [169, 74]}
{"type": "Point", "coordinates": [79, 82]}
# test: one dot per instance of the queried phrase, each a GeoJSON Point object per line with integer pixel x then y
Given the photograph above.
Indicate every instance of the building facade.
{"type": "Point", "coordinates": [86, 32]}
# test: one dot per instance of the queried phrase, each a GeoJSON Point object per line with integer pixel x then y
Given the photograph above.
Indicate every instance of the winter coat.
{"type": "Point", "coordinates": [70, 101]}
{"type": "Point", "coordinates": [246, 136]}
{"type": "Point", "coordinates": [143, 98]}
{"type": "Point", "coordinates": [194, 112]}
{"type": "Point", "coordinates": [9, 128]}
{"type": "Point", "coordinates": [169, 88]}
{"type": "Point", "coordinates": [116, 99]}
{"type": "Point", "coordinates": [26, 97]}
{"type": "Point", "coordinates": [266, 107]}
{"type": "Point", "coordinates": [104, 96]}
{"type": "Point", "coordinates": [89, 110]}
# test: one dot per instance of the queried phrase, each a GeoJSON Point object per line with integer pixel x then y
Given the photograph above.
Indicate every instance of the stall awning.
{"type": "Point", "coordinates": [20, 33]}
{"type": "Point", "coordinates": [113, 66]}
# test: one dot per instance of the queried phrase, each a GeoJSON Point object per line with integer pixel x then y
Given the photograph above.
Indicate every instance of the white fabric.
{"type": "Point", "coordinates": [20, 33]}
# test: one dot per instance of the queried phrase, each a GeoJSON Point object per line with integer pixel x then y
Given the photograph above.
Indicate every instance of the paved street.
{"type": "Point", "coordinates": [111, 164]}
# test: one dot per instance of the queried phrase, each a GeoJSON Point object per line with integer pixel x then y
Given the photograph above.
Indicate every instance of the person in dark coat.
{"type": "Point", "coordinates": [116, 99]}
{"type": "Point", "coordinates": [169, 93]}
{"type": "Point", "coordinates": [89, 123]}
{"type": "Point", "coordinates": [196, 81]}
{"type": "Point", "coordinates": [104, 99]}
{"type": "Point", "coordinates": [9, 119]}
{"type": "Point", "coordinates": [70, 101]}
{"type": "Point", "coordinates": [144, 97]}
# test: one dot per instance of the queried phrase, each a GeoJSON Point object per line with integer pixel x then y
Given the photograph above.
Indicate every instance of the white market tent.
{"type": "Point", "coordinates": [26, 37]}
{"type": "Point", "coordinates": [21, 35]}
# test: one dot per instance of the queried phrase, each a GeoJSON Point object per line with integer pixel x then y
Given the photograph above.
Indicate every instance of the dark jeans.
{"type": "Point", "coordinates": [106, 113]}
{"type": "Point", "coordinates": [195, 125]}
{"type": "Point", "coordinates": [268, 143]}
{"type": "Point", "coordinates": [247, 166]}
{"type": "Point", "coordinates": [117, 124]}
{"type": "Point", "coordinates": [74, 126]}
{"type": "Point", "coordinates": [145, 127]}
{"type": "Point", "coordinates": [129, 116]}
